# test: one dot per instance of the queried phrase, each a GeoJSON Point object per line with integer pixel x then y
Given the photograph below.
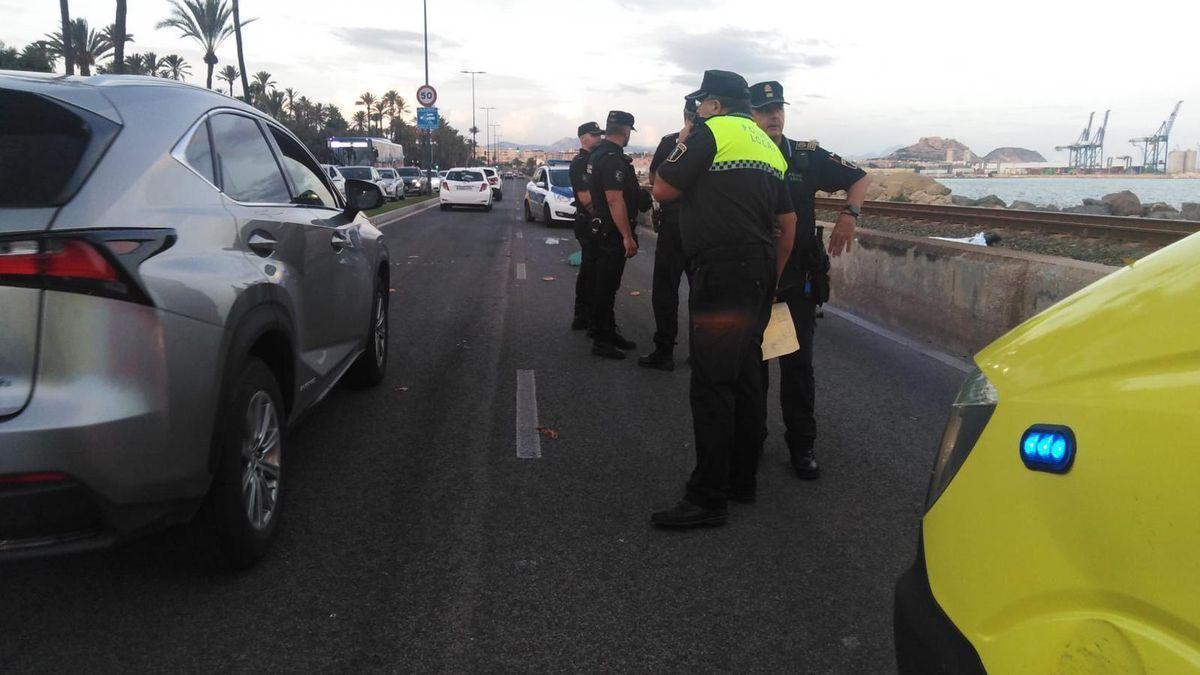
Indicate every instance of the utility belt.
{"type": "Point", "coordinates": [664, 215]}
{"type": "Point", "coordinates": [810, 273]}
{"type": "Point", "coordinates": [604, 231]}
{"type": "Point", "coordinates": [737, 253]}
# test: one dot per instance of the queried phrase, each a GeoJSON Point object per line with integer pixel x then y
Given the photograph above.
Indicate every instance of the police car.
{"type": "Point", "coordinates": [1061, 529]}
{"type": "Point", "coordinates": [549, 196]}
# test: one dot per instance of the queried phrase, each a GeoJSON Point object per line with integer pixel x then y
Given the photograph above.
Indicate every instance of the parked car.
{"type": "Point", "coordinates": [465, 187]}
{"type": "Point", "coordinates": [413, 179]}
{"type": "Point", "coordinates": [180, 283]}
{"type": "Point", "coordinates": [549, 196]}
{"type": "Point", "coordinates": [392, 185]}
{"type": "Point", "coordinates": [435, 182]}
{"type": "Point", "coordinates": [336, 177]}
{"type": "Point", "coordinates": [1060, 529]}
{"type": "Point", "coordinates": [493, 179]}
{"type": "Point", "coordinates": [371, 175]}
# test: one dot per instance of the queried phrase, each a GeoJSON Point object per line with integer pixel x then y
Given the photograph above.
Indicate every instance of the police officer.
{"type": "Point", "coordinates": [614, 195]}
{"type": "Point", "coordinates": [589, 138]}
{"type": "Point", "coordinates": [805, 281]}
{"type": "Point", "coordinates": [730, 178]}
{"type": "Point", "coordinates": [668, 258]}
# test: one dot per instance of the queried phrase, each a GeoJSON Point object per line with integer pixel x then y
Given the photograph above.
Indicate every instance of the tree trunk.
{"type": "Point", "coordinates": [237, 34]}
{"type": "Point", "coordinates": [68, 47]}
{"type": "Point", "coordinates": [208, 83]}
{"type": "Point", "coordinates": [119, 39]}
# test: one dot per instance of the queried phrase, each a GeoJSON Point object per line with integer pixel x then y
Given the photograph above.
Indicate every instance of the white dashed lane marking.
{"type": "Point", "coordinates": [521, 271]}
{"type": "Point", "coordinates": [529, 442]}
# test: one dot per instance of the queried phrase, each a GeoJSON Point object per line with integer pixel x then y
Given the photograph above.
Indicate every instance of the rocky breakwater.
{"type": "Point", "coordinates": [1124, 203]}
{"type": "Point", "coordinates": [904, 186]}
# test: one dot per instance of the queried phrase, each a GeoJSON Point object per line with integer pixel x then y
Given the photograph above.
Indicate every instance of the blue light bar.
{"type": "Point", "coordinates": [1048, 448]}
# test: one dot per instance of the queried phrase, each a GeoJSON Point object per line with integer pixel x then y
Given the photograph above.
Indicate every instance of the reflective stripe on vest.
{"type": "Point", "coordinates": [742, 145]}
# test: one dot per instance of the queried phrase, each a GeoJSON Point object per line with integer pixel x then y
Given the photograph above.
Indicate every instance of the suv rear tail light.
{"type": "Point", "coordinates": [493, 180]}
{"type": "Point", "coordinates": [483, 186]}
{"type": "Point", "coordinates": [99, 262]}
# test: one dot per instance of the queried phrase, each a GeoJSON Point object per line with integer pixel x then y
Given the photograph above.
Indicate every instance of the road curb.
{"type": "Point", "coordinates": [402, 212]}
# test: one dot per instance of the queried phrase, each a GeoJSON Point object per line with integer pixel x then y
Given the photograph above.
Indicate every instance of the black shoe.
{"type": "Point", "coordinates": [579, 323]}
{"type": "Point", "coordinates": [660, 358]}
{"type": "Point", "coordinates": [620, 342]}
{"type": "Point", "coordinates": [687, 514]}
{"type": "Point", "coordinates": [607, 350]}
{"type": "Point", "coordinates": [804, 461]}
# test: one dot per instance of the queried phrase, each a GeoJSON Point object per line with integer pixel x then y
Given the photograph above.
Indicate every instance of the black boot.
{"type": "Point", "coordinates": [607, 350]}
{"type": "Point", "coordinates": [619, 340]}
{"type": "Point", "coordinates": [804, 461]}
{"type": "Point", "coordinates": [687, 514]}
{"type": "Point", "coordinates": [662, 358]}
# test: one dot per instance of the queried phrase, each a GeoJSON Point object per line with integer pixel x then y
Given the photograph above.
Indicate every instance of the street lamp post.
{"type": "Point", "coordinates": [429, 132]}
{"type": "Point", "coordinates": [495, 142]}
{"type": "Point", "coordinates": [487, 121]}
{"type": "Point", "coordinates": [474, 130]}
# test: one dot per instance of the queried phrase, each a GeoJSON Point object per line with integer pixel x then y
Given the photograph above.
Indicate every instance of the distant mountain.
{"type": "Point", "coordinates": [875, 155]}
{"type": "Point", "coordinates": [1014, 156]}
{"type": "Point", "coordinates": [934, 149]}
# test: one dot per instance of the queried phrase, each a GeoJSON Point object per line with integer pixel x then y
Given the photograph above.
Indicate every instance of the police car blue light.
{"type": "Point", "coordinates": [1048, 448]}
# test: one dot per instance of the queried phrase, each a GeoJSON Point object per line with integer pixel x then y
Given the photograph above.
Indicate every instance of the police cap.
{"type": "Point", "coordinates": [721, 83]}
{"type": "Point", "coordinates": [590, 128]}
{"type": "Point", "coordinates": [621, 117]}
{"type": "Point", "coordinates": [766, 93]}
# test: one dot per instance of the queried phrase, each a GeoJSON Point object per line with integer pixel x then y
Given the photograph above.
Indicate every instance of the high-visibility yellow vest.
{"type": "Point", "coordinates": [742, 145]}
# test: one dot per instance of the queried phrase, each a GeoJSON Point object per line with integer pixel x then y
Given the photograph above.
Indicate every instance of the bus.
{"type": "Point", "coordinates": [365, 151]}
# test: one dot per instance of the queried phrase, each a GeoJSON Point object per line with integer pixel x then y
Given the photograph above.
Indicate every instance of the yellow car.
{"type": "Point", "coordinates": [1062, 523]}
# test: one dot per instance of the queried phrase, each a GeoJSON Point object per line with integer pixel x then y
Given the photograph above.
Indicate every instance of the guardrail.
{"type": "Point", "coordinates": [1149, 230]}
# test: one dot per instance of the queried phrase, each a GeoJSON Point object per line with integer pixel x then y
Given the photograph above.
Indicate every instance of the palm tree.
{"type": "Point", "coordinates": [237, 32]}
{"type": "Point", "coordinates": [380, 109]}
{"type": "Point", "coordinates": [291, 100]}
{"type": "Point", "coordinates": [118, 38]}
{"type": "Point", "coordinates": [262, 83]}
{"type": "Point", "coordinates": [274, 103]}
{"type": "Point", "coordinates": [174, 67]}
{"type": "Point", "coordinates": [366, 100]}
{"type": "Point", "coordinates": [359, 121]}
{"type": "Point", "coordinates": [208, 22]}
{"type": "Point", "coordinates": [230, 75]}
{"type": "Point", "coordinates": [86, 45]}
{"type": "Point", "coordinates": [152, 64]}
{"type": "Point", "coordinates": [65, 31]}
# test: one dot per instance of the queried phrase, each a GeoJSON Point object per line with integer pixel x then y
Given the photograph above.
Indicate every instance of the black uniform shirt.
{"type": "Point", "coordinates": [609, 169]}
{"type": "Point", "coordinates": [812, 168]}
{"type": "Point", "coordinates": [578, 175]}
{"type": "Point", "coordinates": [665, 146]}
{"type": "Point", "coordinates": [722, 208]}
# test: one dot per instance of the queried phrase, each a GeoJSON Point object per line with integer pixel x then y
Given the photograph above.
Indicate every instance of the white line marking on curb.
{"type": "Point", "coordinates": [529, 441]}
{"type": "Point", "coordinates": [520, 271]}
{"type": "Point", "coordinates": [936, 355]}
{"type": "Point", "coordinates": [419, 209]}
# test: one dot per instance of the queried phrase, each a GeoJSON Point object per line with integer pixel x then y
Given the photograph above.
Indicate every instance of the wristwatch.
{"type": "Point", "coordinates": [852, 210]}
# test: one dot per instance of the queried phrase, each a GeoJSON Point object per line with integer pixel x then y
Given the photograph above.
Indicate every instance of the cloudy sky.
{"type": "Point", "coordinates": [861, 76]}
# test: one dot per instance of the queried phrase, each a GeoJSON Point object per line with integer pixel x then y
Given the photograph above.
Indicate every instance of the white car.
{"type": "Point", "coordinates": [392, 183]}
{"type": "Point", "coordinates": [435, 181]}
{"type": "Point", "coordinates": [493, 179]}
{"type": "Point", "coordinates": [335, 177]}
{"type": "Point", "coordinates": [549, 196]}
{"type": "Point", "coordinates": [367, 173]}
{"type": "Point", "coordinates": [465, 187]}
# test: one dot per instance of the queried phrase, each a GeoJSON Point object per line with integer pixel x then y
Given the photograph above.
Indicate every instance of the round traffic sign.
{"type": "Point", "coordinates": [426, 95]}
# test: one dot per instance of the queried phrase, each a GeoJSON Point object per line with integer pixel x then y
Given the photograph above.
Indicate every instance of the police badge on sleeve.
{"type": "Point", "coordinates": [680, 148]}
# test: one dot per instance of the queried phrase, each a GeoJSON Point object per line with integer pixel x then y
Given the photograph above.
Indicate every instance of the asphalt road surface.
{"type": "Point", "coordinates": [415, 539]}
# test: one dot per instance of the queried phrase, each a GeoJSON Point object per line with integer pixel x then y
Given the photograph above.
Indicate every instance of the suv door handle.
{"type": "Point", "coordinates": [262, 243]}
{"type": "Point", "coordinates": [340, 240]}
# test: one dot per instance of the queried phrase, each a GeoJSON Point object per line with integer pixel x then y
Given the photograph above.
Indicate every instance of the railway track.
{"type": "Point", "coordinates": [1162, 232]}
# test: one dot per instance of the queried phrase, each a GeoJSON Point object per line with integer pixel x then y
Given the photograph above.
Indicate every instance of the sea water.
{"type": "Point", "coordinates": [1067, 191]}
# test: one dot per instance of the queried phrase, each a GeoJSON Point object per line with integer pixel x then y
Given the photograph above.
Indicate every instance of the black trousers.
{"type": "Point", "coordinates": [606, 280]}
{"type": "Point", "coordinates": [669, 266]}
{"type": "Point", "coordinates": [797, 385]}
{"type": "Point", "coordinates": [587, 271]}
{"type": "Point", "coordinates": [730, 303]}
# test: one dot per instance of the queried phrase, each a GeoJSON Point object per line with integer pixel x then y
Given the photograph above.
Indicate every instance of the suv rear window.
{"type": "Point", "coordinates": [47, 148]}
{"type": "Point", "coordinates": [464, 176]}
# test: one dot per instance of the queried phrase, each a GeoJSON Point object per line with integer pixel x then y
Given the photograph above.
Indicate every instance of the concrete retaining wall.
{"type": "Point", "coordinates": [957, 297]}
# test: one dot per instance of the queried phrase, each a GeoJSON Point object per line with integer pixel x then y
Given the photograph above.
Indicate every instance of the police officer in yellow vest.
{"type": "Point", "coordinates": [738, 227]}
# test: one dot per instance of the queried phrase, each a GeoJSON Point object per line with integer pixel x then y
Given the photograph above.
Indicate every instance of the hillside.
{"type": "Point", "coordinates": [934, 149]}
{"type": "Point", "coordinates": [1014, 156]}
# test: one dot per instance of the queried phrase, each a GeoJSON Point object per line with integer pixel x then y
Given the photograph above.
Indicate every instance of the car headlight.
{"type": "Point", "coordinates": [561, 198]}
{"type": "Point", "coordinates": [972, 409]}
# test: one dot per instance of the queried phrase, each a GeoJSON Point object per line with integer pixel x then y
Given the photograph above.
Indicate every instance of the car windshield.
{"type": "Point", "coordinates": [410, 172]}
{"type": "Point", "coordinates": [356, 172]}
{"type": "Point", "coordinates": [560, 177]}
{"type": "Point", "coordinates": [387, 173]}
{"type": "Point", "coordinates": [465, 176]}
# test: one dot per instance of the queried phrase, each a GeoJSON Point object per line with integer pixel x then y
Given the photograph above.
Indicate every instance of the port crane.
{"type": "Point", "coordinates": [1154, 148]}
{"type": "Point", "coordinates": [1088, 151]}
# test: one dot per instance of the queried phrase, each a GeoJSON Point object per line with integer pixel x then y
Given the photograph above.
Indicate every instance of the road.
{"type": "Point", "coordinates": [415, 539]}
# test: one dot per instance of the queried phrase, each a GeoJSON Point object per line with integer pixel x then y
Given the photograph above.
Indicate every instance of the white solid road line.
{"type": "Point", "coordinates": [529, 441]}
{"type": "Point", "coordinates": [521, 271]}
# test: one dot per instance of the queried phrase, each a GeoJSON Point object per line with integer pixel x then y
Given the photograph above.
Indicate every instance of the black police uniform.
{"type": "Point", "coordinates": [608, 168]}
{"type": "Point", "coordinates": [587, 264]}
{"type": "Point", "coordinates": [805, 281]}
{"type": "Point", "coordinates": [727, 224]}
{"type": "Point", "coordinates": [668, 260]}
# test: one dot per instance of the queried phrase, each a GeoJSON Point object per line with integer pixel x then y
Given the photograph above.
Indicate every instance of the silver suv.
{"type": "Point", "coordinates": [179, 283]}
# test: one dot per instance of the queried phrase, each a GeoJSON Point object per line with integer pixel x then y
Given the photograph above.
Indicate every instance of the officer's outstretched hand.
{"type": "Point", "coordinates": [842, 236]}
{"type": "Point", "coordinates": [631, 247]}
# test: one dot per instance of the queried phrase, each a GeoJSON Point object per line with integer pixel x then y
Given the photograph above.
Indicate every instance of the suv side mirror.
{"type": "Point", "coordinates": [361, 195]}
{"type": "Point", "coordinates": [541, 184]}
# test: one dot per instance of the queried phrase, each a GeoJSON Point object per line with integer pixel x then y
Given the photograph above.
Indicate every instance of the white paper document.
{"type": "Point", "coordinates": [780, 337]}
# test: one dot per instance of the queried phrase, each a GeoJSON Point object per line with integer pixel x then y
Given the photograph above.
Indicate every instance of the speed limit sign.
{"type": "Point", "coordinates": [426, 95]}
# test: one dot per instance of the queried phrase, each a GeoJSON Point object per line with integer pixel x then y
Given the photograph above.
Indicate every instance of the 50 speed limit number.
{"type": "Point", "coordinates": [426, 95]}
